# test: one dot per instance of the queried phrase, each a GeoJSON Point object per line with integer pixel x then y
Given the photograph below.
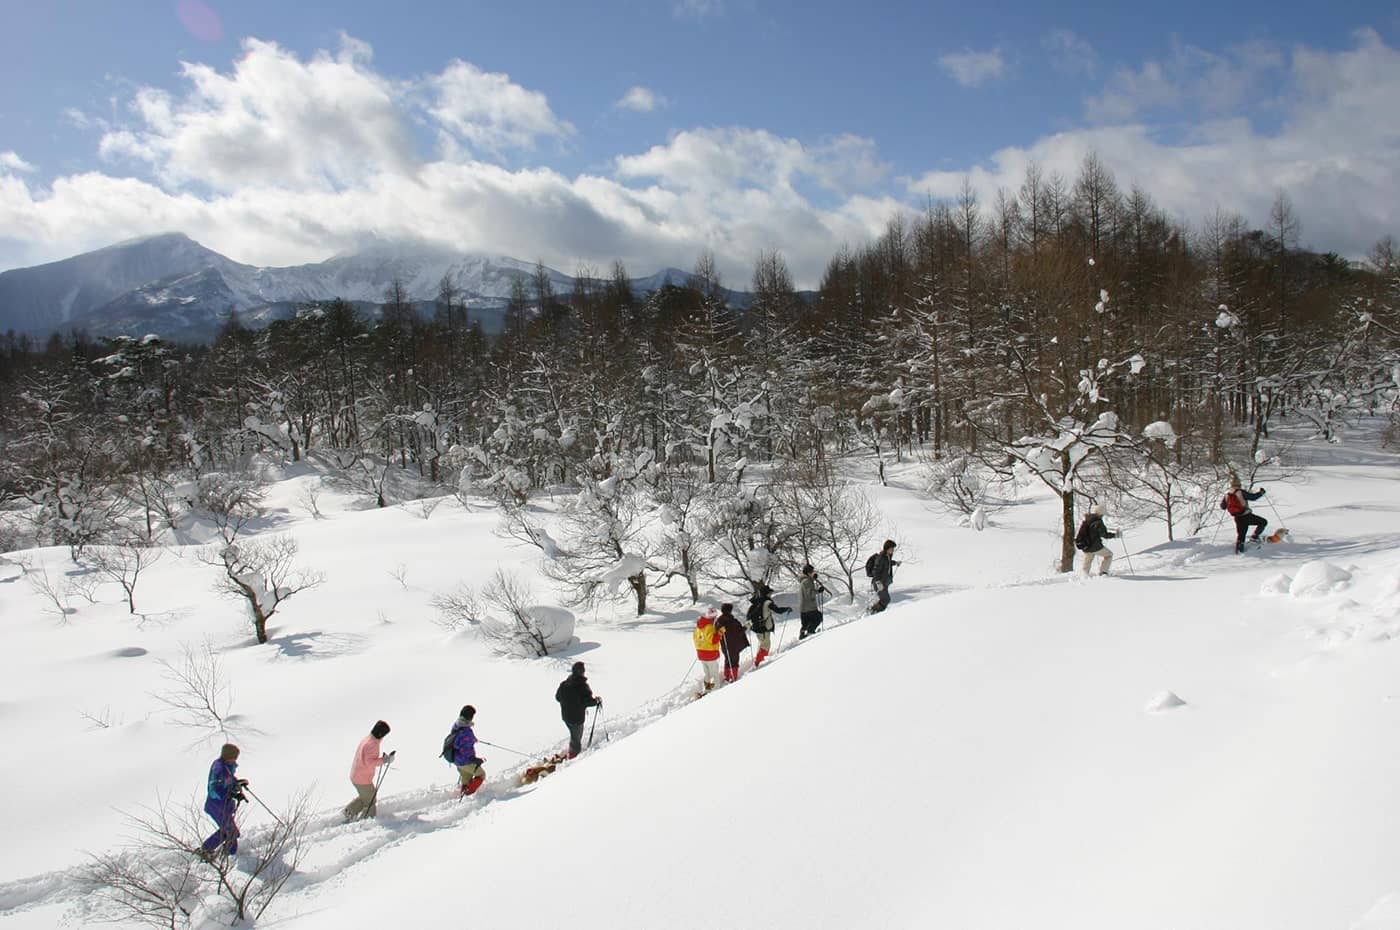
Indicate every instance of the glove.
{"type": "Point", "coordinates": [238, 796]}
{"type": "Point", "coordinates": [241, 782]}
{"type": "Point", "coordinates": [597, 702]}
{"type": "Point", "coordinates": [1261, 490]}
{"type": "Point", "coordinates": [387, 757]}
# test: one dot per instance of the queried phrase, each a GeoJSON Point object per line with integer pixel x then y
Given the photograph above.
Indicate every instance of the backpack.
{"type": "Point", "coordinates": [448, 749]}
{"type": "Point", "coordinates": [1081, 539]}
{"type": "Point", "coordinates": [1233, 504]}
{"type": "Point", "coordinates": [870, 565]}
{"type": "Point", "coordinates": [755, 615]}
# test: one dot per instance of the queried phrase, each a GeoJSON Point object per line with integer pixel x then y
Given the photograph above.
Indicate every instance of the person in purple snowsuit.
{"type": "Point", "coordinates": [225, 791]}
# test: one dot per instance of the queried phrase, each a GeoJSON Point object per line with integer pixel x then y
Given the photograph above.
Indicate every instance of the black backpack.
{"type": "Point", "coordinates": [1081, 539]}
{"type": "Point", "coordinates": [755, 614]}
{"type": "Point", "coordinates": [448, 748]}
{"type": "Point", "coordinates": [870, 565]}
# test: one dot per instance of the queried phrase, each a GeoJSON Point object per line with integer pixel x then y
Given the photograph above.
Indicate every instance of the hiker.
{"type": "Point", "coordinates": [1237, 504]}
{"type": "Point", "coordinates": [734, 639]}
{"type": "Point", "coordinates": [706, 637]}
{"type": "Point", "coordinates": [880, 568]}
{"type": "Point", "coordinates": [761, 621]}
{"type": "Point", "coordinates": [575, 697]}
{"type": "Point", "coordinates": [225, 794]}
{"type": "Point", "coordinates": [1089, 540]}
{"type": "Point", "coordinates": [464, 752]}
{"type": "Point", "coordinates": [807, 604]}
{"type": "Point", "coordinates": [368, 759]}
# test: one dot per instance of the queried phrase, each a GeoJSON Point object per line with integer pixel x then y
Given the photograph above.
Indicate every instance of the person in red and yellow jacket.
{"type": "Point", "coordinates": [706, 638]}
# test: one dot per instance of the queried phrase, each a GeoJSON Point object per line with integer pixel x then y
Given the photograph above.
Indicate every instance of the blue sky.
{"type": "Point", "coordinates": [650, 129]}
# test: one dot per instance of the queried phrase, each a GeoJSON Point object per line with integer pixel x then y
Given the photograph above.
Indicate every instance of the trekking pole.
{"type": "Point", "coordinates": [249, 791]}
{"type": "Point", "coordinates": [1123, 538]}
{"type": "Point", "coordinates": [597, 709]}
{"type": "Point", "coordinates": [1275, 510]}
{"type": "Point", "coordinates": [525, 755]}
{"type": "Point", "coordinates": [783, 633]}
{"type": "Point", "coordinates": [374, 795]}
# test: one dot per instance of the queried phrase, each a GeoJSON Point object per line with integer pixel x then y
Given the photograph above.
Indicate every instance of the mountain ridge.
{"type": "Point", "coordinates": [172, 285]}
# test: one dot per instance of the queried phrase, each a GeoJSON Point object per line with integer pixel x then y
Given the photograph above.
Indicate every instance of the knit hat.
{"type": "Point", "coordinates": [229, 752]}
{"type": "Point", "coordinates": [468, 712]}
{"type": "Point", "coordinates": [379, 730]}
{"type": "Point", "coordinates": [577, 668]}
{"type": "Point", "coordinates": [710, 613]}
{"type": "Point", "coordinates": [1098, 510]}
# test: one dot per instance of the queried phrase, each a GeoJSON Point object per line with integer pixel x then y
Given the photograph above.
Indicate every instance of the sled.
{"type": "Point", "coordinates": [540, 769]}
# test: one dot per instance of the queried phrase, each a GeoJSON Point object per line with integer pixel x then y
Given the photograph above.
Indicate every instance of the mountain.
{"type": "Point", "coordinates": [171, 285]}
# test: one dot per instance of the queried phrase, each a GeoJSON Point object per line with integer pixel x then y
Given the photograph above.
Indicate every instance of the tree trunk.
{"type": "Point", "coordinates": [1066, 531]}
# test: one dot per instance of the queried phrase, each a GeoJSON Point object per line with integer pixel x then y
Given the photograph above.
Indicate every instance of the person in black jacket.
{"type": "Point", "coordinates": [733, 640]}
{"type": "Point", "coordinates": [881, 569]}
{"type": "Point", "coordinates": [575, 697]}
{"type": "Point", "coordinates": [1089, 540]}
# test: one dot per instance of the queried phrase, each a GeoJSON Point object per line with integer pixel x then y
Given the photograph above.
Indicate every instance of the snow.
{"type": "Point", "coordinates": [1161, 431]}
{"type": "Point", "coordinates": [1004, 747]}
{"type": "Point", "coordinates": [1319, 578]}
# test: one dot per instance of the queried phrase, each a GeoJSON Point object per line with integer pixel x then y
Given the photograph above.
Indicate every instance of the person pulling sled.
{"type": "Point", "coordinates": [460, 749]}
{"type": "Point", "coordinates": [1236, 503]}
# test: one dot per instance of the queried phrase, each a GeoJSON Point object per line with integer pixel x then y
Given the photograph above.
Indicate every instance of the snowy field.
{"type": "Point", "coordinates": [1005, 747]}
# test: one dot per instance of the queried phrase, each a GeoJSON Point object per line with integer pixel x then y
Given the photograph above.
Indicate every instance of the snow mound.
{"type": "Point", "coordinates": [1277, 584]}
{"type": "Point", "coordinates": [555, 624]}
{"type": "Point", "coordinates": [1163, 702]}
{"type": "Point", "coordinates": [1318, 579]}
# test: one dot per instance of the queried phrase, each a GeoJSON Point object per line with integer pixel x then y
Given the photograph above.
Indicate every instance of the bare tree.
{"type": "Point", "coordinates": [162, 876]}
{"type": "Point", "coordinates": [52, 590]}
{"type": "Point", "coordinates": [264, 574]}
{"type": "Point", "coordinates": [197, 692]}
{"type": "Point", "coordinates": [124, 565]}
{"type": "Point", "coordinates": [230, 500]}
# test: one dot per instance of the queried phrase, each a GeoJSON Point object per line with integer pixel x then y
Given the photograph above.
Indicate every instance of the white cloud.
{"type": "Point", "coordinates": [696, 9]}
{"type": "Point", "coordinates": [491, 112]}
{"type": "Point", "coordinates": [319, 179]}
{"type": "Point", "coordinates": [1069, 52]}
{"type": "Point", "coordinates": [973, 69]}
{"type": "Point", "coordinates": [1189, 76]}
{"type": "Point", "coordinates": [10, 161]}
{"type": "Point", "coordinates": [1348, 195]}
{"type": "Point", "coordinates": [641, 100]}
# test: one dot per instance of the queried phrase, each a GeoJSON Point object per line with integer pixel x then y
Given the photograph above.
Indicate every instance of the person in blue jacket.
{"type": "Point", "coordinates": [464, 752]}
{"type": "Point", "coordinates": [225, 791]}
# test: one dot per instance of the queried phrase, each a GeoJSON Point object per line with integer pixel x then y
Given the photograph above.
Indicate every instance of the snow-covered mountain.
{"type": "Point", "coordinates": [172, 285]}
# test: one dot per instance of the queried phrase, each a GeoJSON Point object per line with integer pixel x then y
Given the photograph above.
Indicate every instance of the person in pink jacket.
{"type": "Point", "coordinates": [368, 759]}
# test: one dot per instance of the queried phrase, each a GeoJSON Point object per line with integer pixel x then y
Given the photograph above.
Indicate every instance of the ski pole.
{"type": "Point", "coordinates": [506, 748]}
{"type": "Point", "coordinates": [374, 795]}
{"type": "Point", "coordinates": [1122, 538]}
{"type": "Point", "coordinates": [597, 708]}
{"type": "Point", "coordinates": [253, 795]}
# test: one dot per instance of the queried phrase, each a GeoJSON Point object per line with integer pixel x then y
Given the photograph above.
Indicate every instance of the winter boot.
{"type": "Point", "coordinates": [758, 659]}
{"type": "Point", "coordinates": [471, 786]}
{"type": "Point", "coordinates": [709, 685]}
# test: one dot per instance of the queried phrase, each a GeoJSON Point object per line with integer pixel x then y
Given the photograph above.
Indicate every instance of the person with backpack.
{"type": "Point", "coordinates": [879, 568]}
{"type": "Point", "coordinates": [225, 793]}
{"type": "Point", "coordinates": [575, 697]}
{"type": "Point", "coordinates": [733, 640]}
{"type": "Point", "coordinates": [706, 639]}
{"type": "Point", "coordinates": [761, 620]}
{"type": "Point", "coordinates": [807, 606]}
{"type": "Point", "coordinates": [460, 749]}
{"type": "Point", "coordinates": [367, 761]}
{"type": "Point", "coordinates": [1089, 540]}
{"type": "Point", "coordinates": [1236, 503]}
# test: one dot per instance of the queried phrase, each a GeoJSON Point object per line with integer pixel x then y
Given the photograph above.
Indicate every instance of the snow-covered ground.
{"type": "Point", "coordinates": [1005, 747]}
